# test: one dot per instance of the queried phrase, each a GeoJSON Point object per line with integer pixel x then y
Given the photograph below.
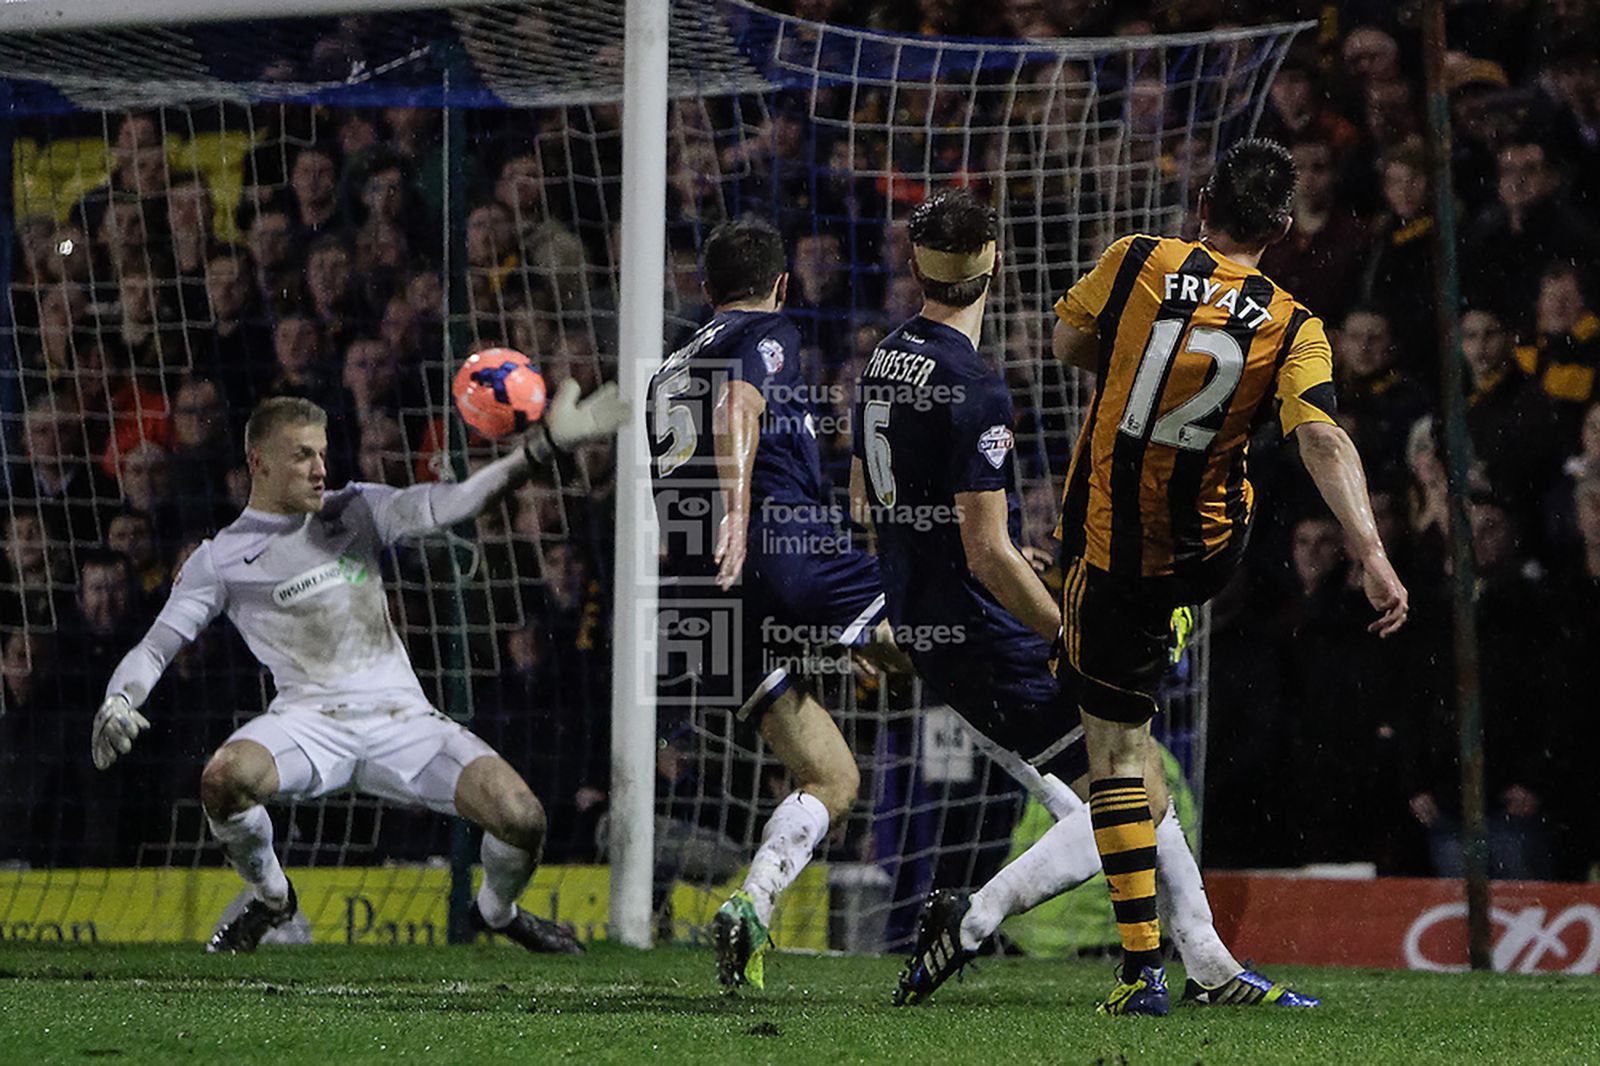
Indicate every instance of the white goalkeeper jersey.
{"type": "Point", "coordinates": [306, 594]}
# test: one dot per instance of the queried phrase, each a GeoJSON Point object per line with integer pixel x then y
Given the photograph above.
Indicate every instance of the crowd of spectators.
{"type": "Point", "coordinates": [148, 322]}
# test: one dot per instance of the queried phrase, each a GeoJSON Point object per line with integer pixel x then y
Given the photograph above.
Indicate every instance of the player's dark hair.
{"type": "Point", "coordinates": [954, 221]}
{"type": "Point", "coordinates": [742, 259]}
{"type": "Point", "coordinates": [277, 411]}
{"type": "Point", "coordinates": [1250, 192]}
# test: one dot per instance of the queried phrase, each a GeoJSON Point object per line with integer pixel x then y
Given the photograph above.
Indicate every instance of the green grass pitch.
{"type": "Point", "coordinates": [332, 1006]}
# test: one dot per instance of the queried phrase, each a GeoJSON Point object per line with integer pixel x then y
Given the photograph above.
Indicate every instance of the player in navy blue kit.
{"type": "Point", "coordinates": [934, 473]}
{"type": "Point", "coordinates": [755, 570]}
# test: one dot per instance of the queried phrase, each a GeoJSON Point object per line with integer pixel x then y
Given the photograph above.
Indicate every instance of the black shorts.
{"type": "Point", "coordinates": [1116, 635]}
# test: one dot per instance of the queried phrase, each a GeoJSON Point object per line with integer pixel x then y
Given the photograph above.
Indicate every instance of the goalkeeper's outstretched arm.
{"type": "Point", "coordinates": [567, 423]}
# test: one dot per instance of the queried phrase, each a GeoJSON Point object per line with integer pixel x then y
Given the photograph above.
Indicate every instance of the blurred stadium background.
{"type": "Point", "coordinates": [343, 207]}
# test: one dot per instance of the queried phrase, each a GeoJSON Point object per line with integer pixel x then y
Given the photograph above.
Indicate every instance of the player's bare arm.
{"type": "Point", "coordinates": [1333, 463]}
{"type": "Point", "coordinates": [1073, 346]}
{"type": "Point", "coordinates": [998, 564]}
{"type": "Point", "coordinates": [736, 429]}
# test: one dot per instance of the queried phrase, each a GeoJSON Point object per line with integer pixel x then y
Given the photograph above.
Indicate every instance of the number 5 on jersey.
{"type": "Point", "coordinates": [674, 422]}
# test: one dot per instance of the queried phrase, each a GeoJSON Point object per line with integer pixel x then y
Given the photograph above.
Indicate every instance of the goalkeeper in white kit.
{"type": "Point", "coordinates": [298, 574]}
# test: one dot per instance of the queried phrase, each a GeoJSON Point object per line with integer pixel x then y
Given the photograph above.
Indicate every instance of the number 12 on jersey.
{"type": "Point", "coordinates": [1178, 428]}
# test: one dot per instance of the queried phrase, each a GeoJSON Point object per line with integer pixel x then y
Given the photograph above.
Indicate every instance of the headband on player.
{"type": "Point", "coordinates": [954, 267]}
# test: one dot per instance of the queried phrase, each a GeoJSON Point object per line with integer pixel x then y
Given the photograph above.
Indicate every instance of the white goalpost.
{"type": "Point", "coordinates": [599, 142]}
{"type": "Point", "coordinates": [633, 698]}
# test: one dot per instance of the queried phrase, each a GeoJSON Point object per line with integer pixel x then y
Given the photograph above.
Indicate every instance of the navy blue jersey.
{"type": "Point", "coordinates": [933, 420]}
{"type": "Point", "coordinates": [762, 348]}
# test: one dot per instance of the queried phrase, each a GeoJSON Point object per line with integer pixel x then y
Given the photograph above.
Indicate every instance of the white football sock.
{"type": "Point", "coordinates": [1185, 912]}
{"type": "Point", "coordinates": [791, 835]}
{"type": "Point", "coordinates": [1062, 859]}
{"type": "Point", "coordinates": [246, 840]}
{"type": "Point", "coordinates": [507, 869]}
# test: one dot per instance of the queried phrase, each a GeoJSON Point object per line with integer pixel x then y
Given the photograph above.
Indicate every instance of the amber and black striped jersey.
{"type": "Point", "coordinates": [1191, 346]}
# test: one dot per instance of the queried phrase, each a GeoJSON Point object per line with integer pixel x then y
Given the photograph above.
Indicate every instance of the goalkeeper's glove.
{"type": "Point", "coordinates": [570, 421]}
{"type": "Point", "coordinates": [116, 725]}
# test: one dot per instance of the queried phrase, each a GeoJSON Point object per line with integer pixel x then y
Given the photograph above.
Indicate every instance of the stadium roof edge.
{"type": "Point", "coordinates": [51, 16]}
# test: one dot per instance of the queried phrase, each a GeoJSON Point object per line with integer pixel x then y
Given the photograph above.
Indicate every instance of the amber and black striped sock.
{"type": "Point", "coordinates": [1125, 834]}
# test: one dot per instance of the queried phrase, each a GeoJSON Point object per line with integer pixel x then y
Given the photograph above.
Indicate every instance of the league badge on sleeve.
{"type": "Point", "coordinates": [771, 350]}
{"type": "Point", "coordinates": [994, 443]}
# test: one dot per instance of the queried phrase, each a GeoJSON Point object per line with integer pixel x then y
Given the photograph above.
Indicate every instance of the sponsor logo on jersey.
{"type": "Point", "coordinates": [320, 579]}
{"type": "Point", "coordinates": [771, 350]}
{"type": "Point", "coordinates": [994, 444]}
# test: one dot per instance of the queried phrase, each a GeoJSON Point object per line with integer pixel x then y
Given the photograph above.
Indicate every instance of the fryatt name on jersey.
{"type": "Point", "coordinates": [1190, 288]}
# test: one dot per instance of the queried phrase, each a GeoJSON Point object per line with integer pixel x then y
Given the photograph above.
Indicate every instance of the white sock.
{"type": "Point", "coordinates": [246, 840]}
{"type": "Point", "coordinates": [791, 835]}
{"type": "Point", "coordinates": [1185, 912]}
{"type": "Point", "coordinates": [507, 869]}
{"type": "Point", "coordinates": [1062, 859]}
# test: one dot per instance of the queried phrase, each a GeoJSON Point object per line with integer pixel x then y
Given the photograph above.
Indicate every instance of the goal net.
{"type": "Point", "coordinates": [343, 207]}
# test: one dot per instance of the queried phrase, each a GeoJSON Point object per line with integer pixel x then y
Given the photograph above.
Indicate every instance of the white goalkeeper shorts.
{"type": "Point", "coordinates": [412, 756]}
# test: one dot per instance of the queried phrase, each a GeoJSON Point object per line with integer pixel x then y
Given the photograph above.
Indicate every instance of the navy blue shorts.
{"type": "Point", "coordinates": [1007, 693]}
{"type": "Point", "coordinates": [745, 648]}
